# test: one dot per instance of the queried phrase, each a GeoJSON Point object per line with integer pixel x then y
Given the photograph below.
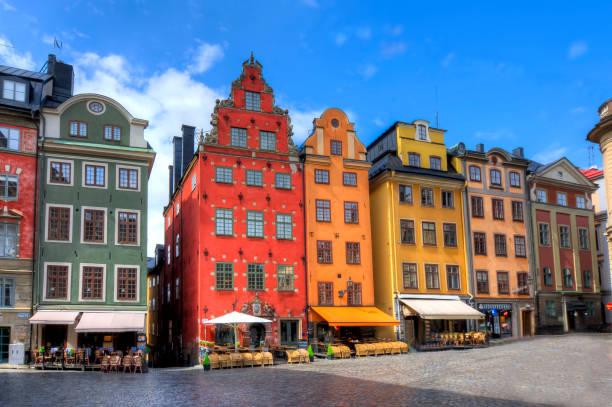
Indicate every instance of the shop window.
{"type": "Point", "coordinates": [284, 226]}
{"type": "Point", "coordinates": [323, 208]}
{"type": "Point", "coordinates": [432, 277]}
{"type": "Point", "coordinates": [452, 277]}
{"type": "Point", "coordinates": [255, 277]}
{"type": "Point", "coordinates": [498, 208]}
{"type": "Point", "coordinates": [9, 239]}
{"type": "Point", "coordinates": [9, 138]}
{"type": "Point", "coordinates": [480, 243]}
{"type": "Point", "coordinates": [351, 212]}
{"type": "Point", "coordinates": [407, 231]}
{"type": "Point", "coordinates": [353, 255]}
{"type": "Point", "coordinates": [282, 181]}
{"type": "Point", "coordinates": [267, 140]}
{"type": "Point", "coordinates": [326, 293]}
{"type": "Point", "coordinates": [7, 292]}
{"type": "Point", "coordinates": [409, 275]}
{"type": "Point", "coordinates": [564, 236]}
{"type": "Point", "coordinates": [517, 211]}
{"type": "Point", "coordinates": [224, 276]}
{"type": "Point", "coordinates": [427, 196]}
{"type": "Point", "coordinates": [335, 147]}
{"type": "Point", "coordinates": [324, 251]}
{"type": "Point", "coordinates": [448, 199]}
{"type": "Point", "coordinates": [568, 281]}
{"type": "Point", "coordinates": [482, 282]}
{"type": "Point", "coordinates": [475, 174]}
{"type": "Point", "coordinates": [353, 292]}
{"type": "Point", "coordinates": [414, 160]}
{"type": "Point", "coordinates": [255, 224]}
{"type": "Point", "coordinates": [405, 194]}
{"type": "Point", "coordinates": [60, 172]}
{"type": "Point", "coordinates": [223, 175]}
{"type": "Point", "coordinates": [284, 277]}
{"type": "Point", "coordinates": [586, 278]}
{"type": "Point", "coordinates": [544, 234]}
{"type": "Point", "coordinates": [252, 100]}
{"type": "Point", "coordinates": [450, 234]}
{"type": "Point", "coordinates": [435, 163]}
{"type": "Point", "coordinates": [224, 220]}
{"type": "Point", "coordinates": [429, 233]}
{"type": "Point", "coordinates": [495, 177]}
{"type": "Point", "coordinates": [515, 179]}
{"type": "Point", "coordinates": [523, 285]}
{"type": "Point", "coordinates": [477, 207]}
{"type": "Point", "coordinates": [503, 284]}
{"type": "Point", "coordinates": [254, 178]}
{"type": "Point", "coordinates": [583, 235]}
{"type": "Point", "coordinates": [57, 282]}
{"type": "Point", "coordinates": [321, 176]}
{"type": "Point", "coordinates": [551, 309]}
{"type": "Point", "coordinates": [500, 245]}
{"type": "Point", "coordinates": [349, 179]}
{"type": "Point", "coordinates": [93, 225]}
{"type": "Point", "coordinates": [520, 249]}
{"type": "Point", "coordinates": [547, 276]}
{"type": "Point", "coordinates": [590, 312]}
{"type": "Point", "coordinates": [238, 137]}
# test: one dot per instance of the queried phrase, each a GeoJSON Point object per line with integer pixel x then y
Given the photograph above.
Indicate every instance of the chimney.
{"type": "Point", "coordinates": [178, 160]}
{"type": "Point", "coordinates": [518, 152]}
{"type": "Point", "coordinates": [63, 78]}
{"type": "Point", "coordinates": [480, 148]}
{"type": "Point", "coordinates": [170, 183]}
{"type": "Point", "coordinates": [188, 148]}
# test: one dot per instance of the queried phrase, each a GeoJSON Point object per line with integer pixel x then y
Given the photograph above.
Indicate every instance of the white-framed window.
{"type": "Point", "coordinates": [127, 178]}
{"type": "Point", "coordinates": [541, 195]}
{"type": "Point", "coordinates": [9, 186]}
{"type": "Point", "coordinates": [14, 90]}
{"type": "Point", "coordinates": [561, 198]}
{"type": "Point", "coordinates": [422, 130]}
{"type": "Point", "coordinates": [580, 203]}
{"type": "Point", "coordinates": [127, 227]}
{"type": "Point", "coordinates": [58, 225]}
{"type": "Point", "coordinates": [193, 181]}
{"type": "Point", "coordinates": [178, 208]}
{"type": "Point", "coordinates": [57, 281]}
{"type": "Point", "coordinates": [9, 138]}
{"type": "Point", "coordinates": [112, 132]}
{"type": "Point", "coordinates": [127, 283]}
{"type": "Point", "coordinates": [9, 239]}
{"type": "Point", "coordinates": [93, 225]}
{"type": "Point", "coordinates": [92, 282]}
{"type": "Point", "coordinates": [60, 172]}
{"type": "Point", "coordinates": [94, 175]}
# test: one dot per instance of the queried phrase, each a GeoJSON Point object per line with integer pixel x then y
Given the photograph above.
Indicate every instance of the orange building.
{"type": "Point", "coordinates": [338, 236]}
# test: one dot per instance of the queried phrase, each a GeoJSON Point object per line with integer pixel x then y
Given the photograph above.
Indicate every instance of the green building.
{"type": "Point", "coordinates": [90, 286]}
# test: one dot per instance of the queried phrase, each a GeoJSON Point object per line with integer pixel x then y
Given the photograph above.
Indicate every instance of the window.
{"type": "Point", "coordinates": [323, 211]}
{"type": "Point", "coordinates": [409, 275]}
{"type": "Point", "coordinates": [7, 292]}
{"type": "Point", "coordinates": [520, 248]}
{"type": "Point", "coordinates": [564, 237]}
{"type": "Point", "coordinates": [321, 176]}
{"type": "Point", "coordinates": [57, 282]}
{"type": "Point", "coordinates": [495, 177]}
{"type": "Point", "coordinates": [580, 202]}
{"type": "Point", "coordinates": [128, 228]}
{"type": "Point", "coordinates": [405, 193]}
{"type": "Point", "coordinates": [267, 140]}
{"type": "Point", "coordinates": [223, 175]}
{"type": "Point", "coordinates": [284, 226]}
{"type": "Point", "coordinates": [335, 147]}
{"type": "Point", "coordinates": [224, 276]}
{"type": "Point", "coordinates": [427, 198]}
{"type": "Point", "coordinates": [282, 181]}
{"type": "Point", "coordinates": [254, 178]}
{"type": "Point", "coordinates": [224, 221]}
{"type": "Point", "coordinates": [406, 231]}
{"type": "Point", "coordinates": [547, 276]}
{"type": "Point", "coordinates": [112, 133]}
{"type": "Point", "coordinates": [544, 233]}
{"type": "Point", "coordinates": [193, 182]}
{"type": "Point", "coordinates": [475, 174]}
{"type": "Point", "coordinates": [567, 278]}
{"type": "Point", "coordinates": [351, 212]}
{"type": "Point", "coordinates": [477, 207]}
{"type": "Point", "coordinates": [9, 241]}
{"type": "Point", "coordinates": [414, 159]}
{"type": "Point", "coordinates": [432, 278]}
{"type": "Point", "coordinates": [177, 245]}
{"type": "Point", "coordinates": [255, 277]}
{"type": "Point", "coordinates": [448, 199]}
{"type": "Point", "coordinates": [59, 223]}
{"type": "Point", "coordinates": [128, 178]}
{"type": "Point", "coordinates": [586, 278]}
{"type": "Point", "coordinates": [429, 233]}
{"type": "Point", "coordinates": [255, 224]}
{"type": "Point", "coordinates": [9, 185]}
{"type": "Point", "coordinates": [127, 279]}
{"type": "Point", "coordinates": [503, 285]}
{"type": "Point", "coordinates": [435, 163]}
{"type": "Point", "coordinates": [349, 179]}
{"type": "Point", "coordinates": [482, 282]}
{"type": "Point", "coordinates": [561, 198]}
{"type": "Point", "coordinates": [515, 179]}
{"type": "Point", "coordinates": [541, 195]}
{"type": "Point", "coordinates": [60, 172]}
{"type": "Point", "coordinates": [95, 175]}
{"type": "Point", "coordinates": [284, 277]}
{"type": "Point", "coordinates": [452, 277]}
{"type": "Point", "coordinates": [324, 251]}
{"type": "Point", "coordinates": [523, 285]}
{"type": "Point", "coordinates": [92, 283]}
{"type": "Point", "coordinates": [498, 208]}
{"type": "Point", "coordinates": [353, 291]}
{"type": "Point", "coordinates": [450, 234]}
{"type": "Point", "coordinates": [326, 293]}
{"type": "Point", "coordinates": [168, 254]}
{"type": "Point", "coordinates": [500, 245]}
{"type": "Point", "coordinates": [353, 255]}
{"type": "Point", "coordinates": [238, 137]}
{"type": "Point", "coordinates": [480, 243]}
{"type": "Point", "coordinates": [9, 138]}
{"type": "Point", "coordinates": [583, 234]}
{"type": "Point", "coordinates": [551, 309]}
{"type": "Point", "coordinates": [252, 100]}
{"type": "Point", "coordinates": [517, 211]}
{"type": "Point", "coordinates": [93, 225]}
{"type": "Point", "coordinates": [14, 91]}
{"type": "Point", "coordinates": [78, 129]}
{"type": "Point", "coordinates": [421, 132]}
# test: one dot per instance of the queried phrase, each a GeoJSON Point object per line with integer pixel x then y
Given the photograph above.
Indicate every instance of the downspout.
{"type": "Point", "coordinates": [393, 248]}
{"type": "Point", "coordinates": [181, 282]}
{"type": "Point", "coordinates": [35, 224]}
{"type": "Point", "coordinates": [306, 275]}
{"type": "Point", "coordinates": [468, 240]}
{"type": "Point", "coordinates": [533, 264]}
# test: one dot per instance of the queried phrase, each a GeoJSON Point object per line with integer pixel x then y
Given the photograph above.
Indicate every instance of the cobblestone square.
{"type": "Point", "coordinates": [570, 370]}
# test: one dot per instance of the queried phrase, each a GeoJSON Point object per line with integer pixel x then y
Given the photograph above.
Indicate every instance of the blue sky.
{"type": "Point", "coordinates": [531, 75]}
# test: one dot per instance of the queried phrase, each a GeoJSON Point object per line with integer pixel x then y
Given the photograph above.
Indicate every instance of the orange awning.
{"type": "Point", "coordinates": [355, 316]}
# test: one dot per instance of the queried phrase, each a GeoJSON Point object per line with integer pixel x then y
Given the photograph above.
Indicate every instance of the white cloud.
{"type": "Point", "coordinates": [6, 6]}
{"type": "Point", "coordinates": [302, 123]}
{"type": "Point", "coordinates": [206, 56]}
{"type": "Point", "coordinates": [48, 39]}
{"type": "Point", "coordinates": [577, 49]}
{"type": "Point", "coordinates": [310, 3]}
{"type": "Point", "coordinates": [552, 153]}
{"type": "Point", "coordinates": [448, 59]}
{"type": "Point", "coordinates": [364, 33]}
{"type": "Point", "coordinates": [340, 39]}
{"type": "Point", "coordinates": [395, 48]}
{"type": "Point", "coordinates": [9, 56]}
{"type": "Point", "coordinates": [368, 71]}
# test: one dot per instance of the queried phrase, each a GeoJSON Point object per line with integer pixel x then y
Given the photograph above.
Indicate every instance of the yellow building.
{"type": "Point", "coordinates": [418, 232]}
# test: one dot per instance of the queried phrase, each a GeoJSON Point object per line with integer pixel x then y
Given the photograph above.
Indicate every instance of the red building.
{"type": "Point", "coordinates": [234, 226]}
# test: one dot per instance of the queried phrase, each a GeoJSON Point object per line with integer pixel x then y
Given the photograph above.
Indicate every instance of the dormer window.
{"type": "Point", "coordinates": [422, 132]}
{"type": "Point", "coordinates": [252, 101]}
{"type": "Point", "coordinates": [9, 138]}
{"type": "Point", "coordinates": [14, 91]}
{"type": "Point", "coordinates": [112, 133]}
{"type": "Point", "coordinates": [78, 129]}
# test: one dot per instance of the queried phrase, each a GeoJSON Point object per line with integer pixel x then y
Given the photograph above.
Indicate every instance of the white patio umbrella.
{"type": "Point", "coordinates": [234, 318]}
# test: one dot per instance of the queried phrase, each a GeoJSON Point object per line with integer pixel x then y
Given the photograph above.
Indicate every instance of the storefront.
{"type": "Point", "coordinates": [112, 330]}
{"type": "Point", "coordinates": [55, 329]}
{"type": "Point", "coordinates": [498, 319]}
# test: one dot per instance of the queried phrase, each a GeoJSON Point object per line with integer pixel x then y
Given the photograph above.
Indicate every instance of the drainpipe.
{"type": "Point", "coordinates": [306, 275]}
{"type": "Point", "coordinates": [468, 241]}
{"type": "Point", "coordinates": [35, 224]}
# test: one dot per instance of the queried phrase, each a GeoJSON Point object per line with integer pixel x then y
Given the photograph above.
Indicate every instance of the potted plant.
{"type": "Point", "coordinates": [330, 351]}
{"type": "Point", "coordinates": [206, 363]}
{"type": "Point", "coordinates": [310, 353]}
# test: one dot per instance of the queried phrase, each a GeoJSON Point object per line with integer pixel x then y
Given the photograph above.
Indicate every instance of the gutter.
{"type": "Point", "coordinates": [35, 223]}
{"type": "Point", "coordinates": [306, 275]}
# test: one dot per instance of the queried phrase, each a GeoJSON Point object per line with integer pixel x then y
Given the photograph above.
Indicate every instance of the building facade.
{"type": "Point", "coordinates": [234, 226]}
{"type": "Point", "coordinates": [154, 292]}
{"type": "Point", "coordinates": [91, 267]}
{"type": "Point", "coordinates": [418, 232]}
{"type": "Point", "coordinates": [567, 288]}
{"type": "Point", "coordinates": [338, 234]}
{"type": "Point", "coordinates": [499, 240]}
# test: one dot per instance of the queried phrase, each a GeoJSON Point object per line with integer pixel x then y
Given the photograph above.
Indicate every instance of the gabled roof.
{"type": "Point", "coordinates": [592, 173]}
{"type": "Point", "coordinates": [560, 172]}
{"type": "Point", "coordinates": [9, 70]}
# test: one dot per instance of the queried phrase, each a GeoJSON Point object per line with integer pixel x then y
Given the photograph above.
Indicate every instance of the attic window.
{"type": "Point", "coordinates": [560, 174]}
{"type": "Point", "coordinates": [252, 101]}
{"type": "Point", "coordinates": [335, 123]}
{"type": "Point", "coordinates": [422, 132]}
{"type": "Point", "coordinates": [14, 90]}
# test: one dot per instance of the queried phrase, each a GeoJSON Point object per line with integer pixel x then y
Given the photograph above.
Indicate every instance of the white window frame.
{"type": "Point", "coordinates": [418, 123]}
{"type": "Point", "coordinates": [97, 208]}
{"type": "Point", "coordinates": [69, 286]}
{"type": "Point", "coordinates": [582, 204]}
{"type": "Point", "coordinates": [126, 167]}
{"type": "Point", "coordinates": [194, 180]}
{"type": "Point", "coordinates": [15, 83]}
{"type": "Point", "coordinates": [538, 195]}
{"type": "Point", "coordinates": [63, 161]}
{"type": "Point", "coordinates": [84, 164]}
{"type": "Point", "coordinates": [561, 198]}
{"type": "Point", "coordinates": [116, 283]}
{"type": "Point", "coordinates": [136, 211]}
{"type": "Point", "coordinates": [47, 207]}
{"type": "Point", "coordinates": [81, 267]}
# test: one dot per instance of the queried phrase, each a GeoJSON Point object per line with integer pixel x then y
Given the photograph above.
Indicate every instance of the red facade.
{"type": "Point", "coordinates": [239, 227]}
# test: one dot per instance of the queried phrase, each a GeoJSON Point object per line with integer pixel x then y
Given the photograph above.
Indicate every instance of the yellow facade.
{"type": "Point", "coordinates": [394, 249]}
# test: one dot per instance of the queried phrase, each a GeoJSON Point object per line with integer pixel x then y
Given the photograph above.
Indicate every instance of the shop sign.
{"type": "Point", "coordinates": [23, 315]}
{"type": "Point", "coordinates": [609, 306]}
{"type": "Point", "coordinates": [501, 307]}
